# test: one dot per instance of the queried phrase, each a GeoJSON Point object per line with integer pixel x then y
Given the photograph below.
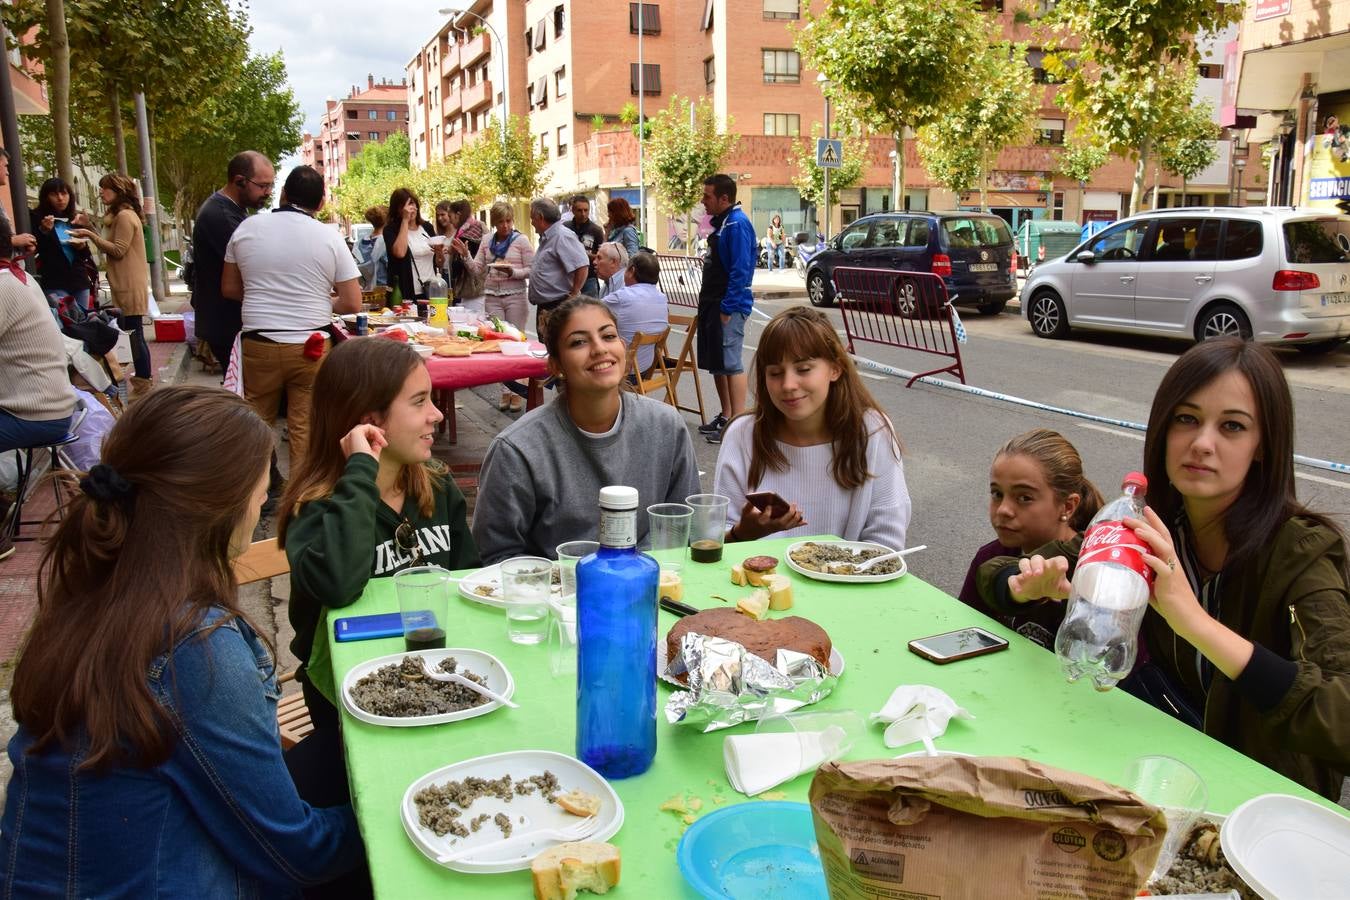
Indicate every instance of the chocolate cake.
{"type": "Point", "coordinates": [761, 638]}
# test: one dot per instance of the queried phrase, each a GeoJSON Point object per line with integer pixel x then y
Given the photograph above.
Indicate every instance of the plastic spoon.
{"type": "Point", "coordinates": [456, 678]}
{"type": "Point", "coordinates": [861, 569]}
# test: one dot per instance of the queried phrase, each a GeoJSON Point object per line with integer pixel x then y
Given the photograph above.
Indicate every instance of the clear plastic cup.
{"type": "Point", "coordinates": [569, 554]}
{"type": "Point", "coordinates": [423, 605]}
{"type": "Point", "coordinates": [1178, 790]}
{"type": "Point", "coordinates": [562, 641]}
{"type": "Point", "coordinates": [668, 539]}
{"type": "Point", "coordinates": [526, 581]}
{"type": "Point", "coordinates": [708, 527]}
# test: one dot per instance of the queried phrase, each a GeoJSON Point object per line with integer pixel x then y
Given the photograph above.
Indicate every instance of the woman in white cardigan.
{"type": "Point", "coordinates": [506, 255]}
{"type": "Point", "coordinates": [817, 439]}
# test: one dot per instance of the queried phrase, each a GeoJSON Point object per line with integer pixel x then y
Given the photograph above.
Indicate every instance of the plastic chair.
{"type": "Point", "coordinates": [58, 461]}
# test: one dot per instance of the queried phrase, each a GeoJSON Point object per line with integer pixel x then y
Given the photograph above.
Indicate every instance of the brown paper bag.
{"type": "Point", "coordinates": [949, 827]}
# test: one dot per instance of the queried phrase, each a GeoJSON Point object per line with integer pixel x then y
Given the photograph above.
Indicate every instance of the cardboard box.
{"type": "Point", "coordinates": [952, 828]}
{"type": "Point", "coordinates": [170, 329]}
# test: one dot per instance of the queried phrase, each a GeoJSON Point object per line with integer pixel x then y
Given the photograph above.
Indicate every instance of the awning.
{"type": "Point", "coordinates": [1272, 78]}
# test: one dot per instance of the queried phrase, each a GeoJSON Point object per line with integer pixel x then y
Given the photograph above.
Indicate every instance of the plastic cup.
{"type": "Point", "coordinates": [569, 554]}
{"type": "Point", "coordinates": [525, 588]}
{"type": "Point", "coordinates": [668, 536]}
{"type": "Point", "coordinates": [423, 605]}
{"type": "Point", "coordinates": [1178, 790]}
{"type": "Point", "coordinates": [708, 527]}
{"type": "Point", "coordinates": [562, 641]}
{"type": "Point", "coordinates": [787, 745]}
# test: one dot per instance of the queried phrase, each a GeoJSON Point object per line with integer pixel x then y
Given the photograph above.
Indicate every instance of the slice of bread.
{"type": "Point", "coordinates": [560, 872]}
{"type": "Point", "coordinates": [579, 803]}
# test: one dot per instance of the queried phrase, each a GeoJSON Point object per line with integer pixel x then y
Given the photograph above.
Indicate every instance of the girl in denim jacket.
{"type": "Point", "coordinates": [147, 761]}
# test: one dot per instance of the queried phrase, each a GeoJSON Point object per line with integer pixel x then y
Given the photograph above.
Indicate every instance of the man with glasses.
{"type": "Point", "coordinates": [248, 185]}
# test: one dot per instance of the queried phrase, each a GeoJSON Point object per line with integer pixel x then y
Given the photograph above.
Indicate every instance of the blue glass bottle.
{"type": "Point", "coordinates": [616, 645]}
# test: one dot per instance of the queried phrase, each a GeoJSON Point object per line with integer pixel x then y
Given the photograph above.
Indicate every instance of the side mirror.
{"type": "Point", "coordinates": [1086, 256]}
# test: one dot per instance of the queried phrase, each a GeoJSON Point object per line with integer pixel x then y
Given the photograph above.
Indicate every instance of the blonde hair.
{"type": "Point", "coordinates": [501, 212]}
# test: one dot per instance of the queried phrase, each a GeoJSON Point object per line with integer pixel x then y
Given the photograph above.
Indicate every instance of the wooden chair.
{"type": "Point", "coordinates": [686, 362]}
{"type": "Point", "coordinates": [657, 375]}
{"type": "Point", "coordinates": [265, 559]}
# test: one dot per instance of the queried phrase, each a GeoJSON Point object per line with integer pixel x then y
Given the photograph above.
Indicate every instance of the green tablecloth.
{"type": "Point", "coordinates": [1021, 703]}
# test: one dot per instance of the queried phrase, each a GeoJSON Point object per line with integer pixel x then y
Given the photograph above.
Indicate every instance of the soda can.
{"type": "Point", "coordinates": [362, 325]}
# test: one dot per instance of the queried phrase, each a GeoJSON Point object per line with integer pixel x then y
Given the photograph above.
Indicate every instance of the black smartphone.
{"type": "Point", "coordinates": [954, 645]}
{"type": "Point", "coordinates": [379, 625]}
{"type": "Point", "coordinates": [775, 504]}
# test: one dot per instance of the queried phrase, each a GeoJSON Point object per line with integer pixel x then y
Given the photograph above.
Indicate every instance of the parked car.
{"type": "Point", "coordinates": [1275, 275]}
{"type": "Point", "coordinates": [1042, 239]}
{"type": "Point", "coordinates": [971, 251]}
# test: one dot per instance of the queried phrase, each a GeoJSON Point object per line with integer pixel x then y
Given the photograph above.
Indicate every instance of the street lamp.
{"type": "Point", "coordinates": [824, 83]}
{"type": "Point", "coordinates": [1240, 164]}
{"type": "Point", "coordinates": [500, 53]}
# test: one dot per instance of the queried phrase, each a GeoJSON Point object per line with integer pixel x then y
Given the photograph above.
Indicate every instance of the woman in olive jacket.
{"type": "Point", "coordinates": [128, 271]}
{"type": "Point", "coordinates": [1250, 613]}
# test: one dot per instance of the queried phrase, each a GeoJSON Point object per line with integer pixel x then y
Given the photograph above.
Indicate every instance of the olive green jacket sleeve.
{"type": "Point", "coordinates": [991, 579]}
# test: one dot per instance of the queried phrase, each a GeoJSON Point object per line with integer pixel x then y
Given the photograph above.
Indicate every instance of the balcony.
{"type": "Point", "coordinates": [477, 96]}
{"type": "Point", "coordinates": [452, 104]}
{"type": "Point", "coordinates": [474, 49]}
{"type": "Point", "coordinates": [453, 143]}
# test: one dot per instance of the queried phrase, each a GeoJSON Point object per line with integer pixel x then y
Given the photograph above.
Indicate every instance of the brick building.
{"type": "Point", "coordinates": [573, 67]}
{"type": "Point", "coordinates": [365, 115]}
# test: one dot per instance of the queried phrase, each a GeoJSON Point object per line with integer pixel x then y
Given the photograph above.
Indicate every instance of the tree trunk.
{"type": "Point", "coordinates": [1157, 184]}
{"type": "Point", "coordinates": [1137, 189]}
{"type": "Point", "coordinates": [59, 83]}
{"type": "Point", "coordinates": [119, 137]}
{"type": "Point", "coordinates": [899, 201]}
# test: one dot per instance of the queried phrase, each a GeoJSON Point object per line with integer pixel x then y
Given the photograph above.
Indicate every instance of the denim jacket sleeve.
{"type": "Point", "coordinates": [220, 695]}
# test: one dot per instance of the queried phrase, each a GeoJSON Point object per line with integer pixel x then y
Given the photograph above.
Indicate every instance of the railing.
{"type": "Point", "coordinates": [909, 310]}
{"type": "Point", "coordinates": [681, 278]}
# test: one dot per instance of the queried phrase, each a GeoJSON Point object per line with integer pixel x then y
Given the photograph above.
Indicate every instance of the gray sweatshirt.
{"type": "Point", "coordinates": [541, 478]}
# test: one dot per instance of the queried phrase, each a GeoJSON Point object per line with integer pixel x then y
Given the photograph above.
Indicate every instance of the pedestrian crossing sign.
{"type": "Point", "coordinates": [829, 154]}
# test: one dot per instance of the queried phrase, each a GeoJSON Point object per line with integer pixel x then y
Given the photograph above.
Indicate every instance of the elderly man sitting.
{"type": "Point", "coordinates": [640, 305]}
{"type": "Point", "coordinates": [611, 259]}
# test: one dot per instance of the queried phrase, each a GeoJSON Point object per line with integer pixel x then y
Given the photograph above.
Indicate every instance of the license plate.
{"type": "Point", "coordinates": [984, 267]}
{"type": "Point", "coordinates": [1338, 299]}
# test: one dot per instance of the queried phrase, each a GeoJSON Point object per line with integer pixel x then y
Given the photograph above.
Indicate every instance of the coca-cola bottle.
{"type": "Point", "coordinates": [1100, 633]}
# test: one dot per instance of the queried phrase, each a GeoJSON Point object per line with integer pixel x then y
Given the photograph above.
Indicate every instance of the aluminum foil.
{"type": "Point", "coordinates": [729, 685]}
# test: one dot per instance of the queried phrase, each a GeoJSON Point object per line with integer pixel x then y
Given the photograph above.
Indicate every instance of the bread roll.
{"type": "Point", "coordinates": [560, 872]}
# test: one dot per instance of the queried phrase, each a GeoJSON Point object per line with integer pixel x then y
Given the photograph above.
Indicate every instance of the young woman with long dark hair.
{"type": "Point", "coordinates": [128, 271]}
{"type": "Point", "coordinates": [147, 762]}
{"type": "Point", "coordinates": [621, 228]}
{"type": "Point", "coordinates": [62, 265]}
{"type": "Point", "coordinates": [1250, 612]}
{"type": "Point", "coordinates": [407, 243]}
{"type": "Point", "coordinates": [817, 438]}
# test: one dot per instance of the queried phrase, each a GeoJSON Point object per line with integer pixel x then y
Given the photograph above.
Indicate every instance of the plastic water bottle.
{"type": "Point", "coordinates": [1100, 633]}
{"type": "Point", "coordinates": [616, 644]}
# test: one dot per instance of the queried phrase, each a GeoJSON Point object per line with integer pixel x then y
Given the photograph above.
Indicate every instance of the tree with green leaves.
{"type": "Point", "coordinates": [1078, 159]}
{"type": "Point", "coordinates": [1190, 146]}
{"type": "Point", "coordinates": [513, 168]}
{"type": "Point", "coordinates": [685, 150]}
{"type": "Point", "coordinates": [1129, 69]}
{"type": "Point", "coordinates": [961, 146]}
{"type": "Point", "coordinates": [893, 64]}
{"type": "Point", "coordinates": [809, 178]}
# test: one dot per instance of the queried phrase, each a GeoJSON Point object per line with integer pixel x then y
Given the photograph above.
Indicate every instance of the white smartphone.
{"type": "Point", "coordinates": [954, 645]}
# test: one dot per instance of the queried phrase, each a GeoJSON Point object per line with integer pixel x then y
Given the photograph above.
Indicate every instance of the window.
{"type": "Point", "coordinates": [560, 82]}
{"type": "Point", "coordinates": [1121, 243]}
{"type": "Point", "coordinates": [651, 78]}
{"type": "Point", "coordinates": [1036, 59]}
{"type": "Point", "coordinates": [391, 115]}
{"type": "Point", "coordinates": [562, 140]}
{"type": "Point", "coordinates": [353, 135]}
{"type": "Point", "coordinates": [543, 145]}
{"type": "Point", "coordinates": [373, 114]}
{"type": "Point", "coordinates": [1211, 70]}
{"type": "Point", "coordinates": [1058, 206]}
{"type": "Point", "coordinates": [529, 41]}
{"type": "Point", "coordinates": [351, 114]}
{"type": "Point", "coordinates": [782, 67]}
{"type": "Point", "coordinates": [1183, 240]}
{"type": "Point", "coordinates": [1050, 131]}
{"type": "Point", "coordinates": [886, 233]}
{"type": "Point", "coordinates": [710, 72]}
{"type": "Point", "coordinates": [853, 236]}
{"type": "Point", "coordinates": [541, 92]}
{"type": "Point", "coordinates": [976, 231]}
{"type": "Point", "coordinates": [789, 124]}
{"type": "Point", "coordinates": [782, 9]}
{"type": "Point", "coordinates": [374, 135]}
{"type": "Point", "coordinates": [540, 34]}
{"type": "Point", "coordinates": [991, 5]}
{"type": "Point", "coordinates": [1310, 242]}
{"type": "Point", "coordinates": [651, 18]}
{"type": "Point", "coordinates": [558, 20]}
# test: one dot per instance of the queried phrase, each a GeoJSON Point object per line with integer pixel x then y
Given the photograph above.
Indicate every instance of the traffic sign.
{"type": "Point", "coordinates": [829, 154]}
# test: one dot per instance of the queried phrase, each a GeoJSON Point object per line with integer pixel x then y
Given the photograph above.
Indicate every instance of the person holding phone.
{"type": "Point", "coordinates": [817, 439]}
{"type": "Point", "coordinates": [407, 241]}
{"type": "Point", "coordinates": [1249, 618]}
{"type": "Point", "coordinates": [63, 259]}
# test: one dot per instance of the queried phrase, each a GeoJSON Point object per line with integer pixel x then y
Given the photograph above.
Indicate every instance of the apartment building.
{"type": "Point", "coordinates": [366, 115]}
{"type": "Point", "coordinates": [575, 66]}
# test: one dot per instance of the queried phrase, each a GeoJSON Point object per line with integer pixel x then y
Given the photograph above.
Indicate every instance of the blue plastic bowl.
{"type": "Point", "coordinates": [754, 850]}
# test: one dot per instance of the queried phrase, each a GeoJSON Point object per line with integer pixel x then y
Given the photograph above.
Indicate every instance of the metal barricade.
{"type": "Point", "coordinates": [681, 280]}
{"type": "Point", "coordinates": [909, 310]}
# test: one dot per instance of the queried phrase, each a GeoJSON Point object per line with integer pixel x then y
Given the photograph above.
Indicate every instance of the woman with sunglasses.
{"type": "Point", "coordinates": [367, 500]}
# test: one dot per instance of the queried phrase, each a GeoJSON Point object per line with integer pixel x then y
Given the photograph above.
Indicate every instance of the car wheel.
{"type": "Point", "coordinates": [1223, 320]}
{"type": "Point", "coordinates": [992, 309]}
{"type": "Point", "coordinates": [1048, 316]}
{"type": "Point", "coordinates": [905, 303]}
{"type": "Point", "coordinates": [1321, 348]}
{"type": "Point", "coordinates": [818, 289]}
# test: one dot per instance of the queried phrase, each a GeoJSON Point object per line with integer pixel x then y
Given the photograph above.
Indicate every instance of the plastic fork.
{"type": "Point", "coordinates": [860, 569]}
{"type": "Point", "coordinates": [457, 678]}
{"type": "Point", "coordinates": [577, 832]}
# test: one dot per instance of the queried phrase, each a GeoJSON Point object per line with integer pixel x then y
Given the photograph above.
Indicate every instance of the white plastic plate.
{"type": "Point", "coordinates": [479, 662]}
{"type": "Point", "coordinates": [1286, 847]}
{"type": "Point", "coordinates": [490, 577]}
{"type": "Point", "coordinates": [490, 856]}
{"type": "Point", "coordinates": [846, 579]}
{"type": "Point", "coordinates": [836, 663]}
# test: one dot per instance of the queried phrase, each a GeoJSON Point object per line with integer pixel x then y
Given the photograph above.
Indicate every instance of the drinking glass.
{"type": "Point", "coordinates": [424, 605]}
{"type": "Point", "coordinates": [562, 641]}
{"type": "Point", "coordinates": [525, 588]}
{"type": "Point", "coordinates": [1175, 788]}
{"type": "Point", "coordinates": [569, 554]}
{"type": "Point", "coordinates": [668, 534]}
{"type": "Point", "coordinates": [708, 527]}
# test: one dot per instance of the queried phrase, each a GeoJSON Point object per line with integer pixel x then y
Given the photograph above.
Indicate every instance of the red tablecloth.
{"type": "Point", "coordinates": [459, 372]}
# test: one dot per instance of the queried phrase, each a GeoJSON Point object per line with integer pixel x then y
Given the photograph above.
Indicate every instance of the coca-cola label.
{"type": "Point", "coordinates": [1115, 542]}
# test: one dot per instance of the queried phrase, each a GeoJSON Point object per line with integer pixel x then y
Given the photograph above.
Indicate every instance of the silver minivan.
{"type": "Point", "coordinates": [1275, 275]}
